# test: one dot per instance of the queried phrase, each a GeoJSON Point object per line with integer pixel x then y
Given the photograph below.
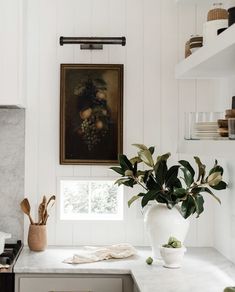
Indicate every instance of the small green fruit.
{"type": "Point", "coordinates": [172, 240]}
{"type": "Point", "coordinates": [149, 261]}
{"type": "Point", "coordinates": [229, 289]}
{"type": "Point", "coordinates": [176, 244]}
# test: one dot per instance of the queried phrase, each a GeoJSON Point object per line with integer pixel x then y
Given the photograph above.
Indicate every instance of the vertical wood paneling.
{"type": "Point", "coordinates": [82, 27]}
{"type": "Point", "coordinates": [65, 54]}
{"type": "Point", "coordinates": [152, 73]}
{"type": "Point", "coordinates": [32, 116]}
{"type": "Point", "coordinates": [99, 23]}
{"type": "Point", "coordinates": [205, 99]}
{"type": "Point", "coordinates": [187, 88]}
{"type": "Point", "coordinates": [48, 99]}
{"type": "Point", "coordinates": [117, 27]}
{"type": "Point", "coordinates": [169, 85]}
{"type": "Point", "coordinates": [134, 100]}
{"type": "Point", "coordinates": [152, 78]}
{"type": "Point", "coordinates": [134, 73]}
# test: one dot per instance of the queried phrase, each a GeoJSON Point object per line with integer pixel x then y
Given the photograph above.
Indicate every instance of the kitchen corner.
{"type": "Point", "coordinates": [117, 139]}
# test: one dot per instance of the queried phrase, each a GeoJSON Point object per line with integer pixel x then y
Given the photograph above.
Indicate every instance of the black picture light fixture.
{"type": "Point", "coordinates": [93, 43]}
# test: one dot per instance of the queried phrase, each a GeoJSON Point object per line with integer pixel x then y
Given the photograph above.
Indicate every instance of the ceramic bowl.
{"type": "Point", "coordinates": [172, 257]}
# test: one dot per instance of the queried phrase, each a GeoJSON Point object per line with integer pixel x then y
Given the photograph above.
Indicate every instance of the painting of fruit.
{"type": "Point", "coordinates": [91, 113]}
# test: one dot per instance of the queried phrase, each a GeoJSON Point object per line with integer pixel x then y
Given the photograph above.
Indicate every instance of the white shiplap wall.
{"type": "Point", "coordinates": [154, 101]}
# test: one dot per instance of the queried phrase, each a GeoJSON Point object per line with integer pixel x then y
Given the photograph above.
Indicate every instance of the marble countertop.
{"type": "Point", "coordinates": [204, 269]}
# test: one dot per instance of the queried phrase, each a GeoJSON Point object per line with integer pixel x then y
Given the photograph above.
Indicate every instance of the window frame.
{"type": "Point", "coordinates": [90, 217]}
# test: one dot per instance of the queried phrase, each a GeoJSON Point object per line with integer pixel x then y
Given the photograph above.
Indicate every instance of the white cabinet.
{"type": "Point", "coordinates": [11, 52]}
{"type": "Point", "coordinates": [75, 283]}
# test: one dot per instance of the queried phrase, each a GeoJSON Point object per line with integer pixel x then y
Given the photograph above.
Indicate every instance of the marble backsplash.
{"type": "Point", "coordinates": [12, 155]}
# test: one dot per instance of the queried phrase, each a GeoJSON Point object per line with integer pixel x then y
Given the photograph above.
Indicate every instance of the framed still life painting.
{"type": "Point", "coordinates": [91, 113]}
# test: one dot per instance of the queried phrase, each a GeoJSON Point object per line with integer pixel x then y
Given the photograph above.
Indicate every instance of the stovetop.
{"type": "Point", "coordinates": [9, 256]}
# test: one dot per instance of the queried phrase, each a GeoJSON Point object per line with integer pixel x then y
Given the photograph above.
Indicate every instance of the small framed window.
{"type": "Point", "coordinates": [90, 200]}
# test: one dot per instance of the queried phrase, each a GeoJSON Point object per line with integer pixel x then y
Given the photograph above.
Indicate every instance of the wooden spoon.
{"type": "Point", "coordinates": [25, 207]}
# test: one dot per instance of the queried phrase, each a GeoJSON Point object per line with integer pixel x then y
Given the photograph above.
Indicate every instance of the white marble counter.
{"type": "Point", "coordinates": [204, 269]}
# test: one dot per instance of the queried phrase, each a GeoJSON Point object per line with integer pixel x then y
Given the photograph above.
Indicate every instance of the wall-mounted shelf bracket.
{"type": "Point", "coordinates": [93, 43]}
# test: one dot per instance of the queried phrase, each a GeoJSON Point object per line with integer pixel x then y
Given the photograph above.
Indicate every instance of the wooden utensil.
{"type": "Point", "coordinates": [25, 207]}
{"type": "Point", "coordinates": [41, 210]}
{"type": "Point", "coordinates": [49, 205]}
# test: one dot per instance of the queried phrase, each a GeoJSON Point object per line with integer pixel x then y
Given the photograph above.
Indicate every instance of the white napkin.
{"type": "Point", "coordinates": [94, 254]}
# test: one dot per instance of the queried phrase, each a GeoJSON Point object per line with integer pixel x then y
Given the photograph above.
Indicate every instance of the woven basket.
{"type": "Point", "coordinates": [187, 49]}
{"type": "Point", "coordinates": [217, 13]}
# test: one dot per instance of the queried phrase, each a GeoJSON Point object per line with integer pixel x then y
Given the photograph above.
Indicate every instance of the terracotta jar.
{"type": "Point", "coordinates": [37, 237]}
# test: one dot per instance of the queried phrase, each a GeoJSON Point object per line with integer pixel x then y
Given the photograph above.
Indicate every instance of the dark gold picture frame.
{"type": "Point", "coordinates": [91, 113]}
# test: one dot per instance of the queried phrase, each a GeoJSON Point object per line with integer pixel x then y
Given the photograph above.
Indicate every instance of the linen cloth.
{"type": "Point", "coordinates": [94, 254]}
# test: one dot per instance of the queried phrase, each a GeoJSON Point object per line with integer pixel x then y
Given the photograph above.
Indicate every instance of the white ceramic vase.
{"type": "Point", "coordinates": [162, 223]}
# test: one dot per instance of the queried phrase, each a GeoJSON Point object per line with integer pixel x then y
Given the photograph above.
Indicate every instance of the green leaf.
{"type": "Point", "coordinates": [140, 146]}
{"type": "Point", "coordinates": [118, 170]}
{"type": "Point", "coordinates": [126, 181]}
{"type": "Point", "coordinates": [149, 196]}
{"type": "Point", "coordinates": [134, 198]}
{"type": "Point", "coordinates": [221, 186]}
{"type": "Point", "coordinates": [201, 169]}
{"type": "Point", "coordinates": [229, 289]}
{"type": "Point", "coordinates": [207, 190]}
{"type": "Point", "coordinates": [199, 204]}
{"type": "Point", "coordinates": [180, 192]}
{"type": "Point", "coordinates": [124, 162]}
{"type": "Point", "coordinates": [121, 181]}
{"type": "Point", "coordinates": [146, 157]}
{"type": "Point", "coordinates": [188, 166]}
{"type": "Point", "coordinates": [164, 157]}
{"type": "Point", "coordinates": [217, 168]}
{"type": "Point", "coordinates": [163, 199]}
{"type": "Point", "coordinates": [135, 159]}
{"type": "Point", "coordinates": [177, 183]}
{"type": "Point", "coordinates": [140, 173]}
{"type": "Point", "coordinates": [130, 183]}
{"type": "Point", "coordinates": [172, 176]}
{"type": "Point", "coordinates": [160, 172]}
{"type": "Point", "coordinates": [135, 168]}
{"type": "Point", "coordinates": [187, 176]}
{"type": "Point", "coordinates": [152, 149]}
{"type": "Point", "coordinates": [188, 207]}
{"type": "Point", "coordinates": [147, 174]}
{"type": "Point", "coordinates": [152, 184]}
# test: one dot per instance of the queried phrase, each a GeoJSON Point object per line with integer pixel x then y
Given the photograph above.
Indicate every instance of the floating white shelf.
{"type": "Point", "coordinates": [210, 148]}
{"type": "Point", "coordinates": [216, 60]}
